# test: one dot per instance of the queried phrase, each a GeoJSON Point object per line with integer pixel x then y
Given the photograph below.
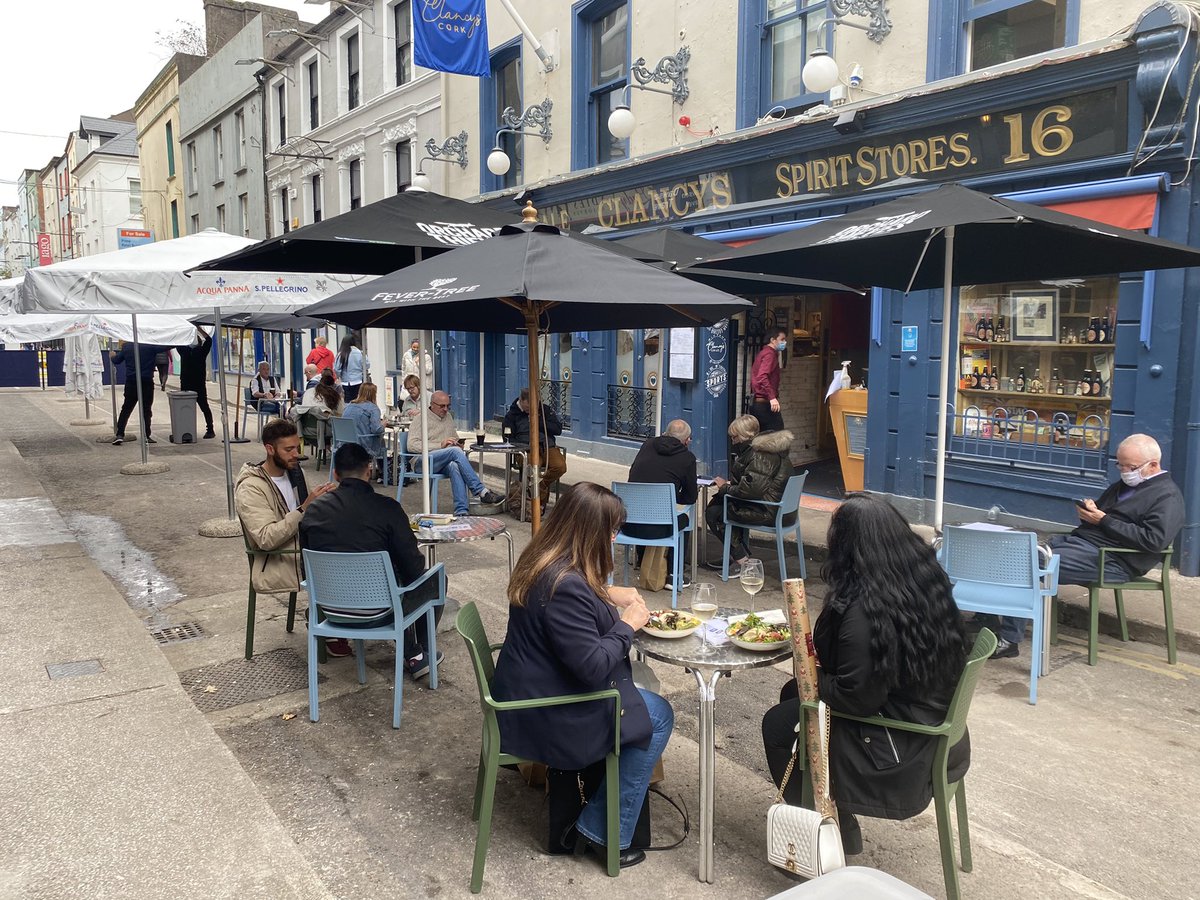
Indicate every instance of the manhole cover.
{"type": "Point", "coordinates": [174, 634]}
{"type": "Point", "coordinates": [241, 681]}
{"type": "Point", "coordinates": [74, 669]}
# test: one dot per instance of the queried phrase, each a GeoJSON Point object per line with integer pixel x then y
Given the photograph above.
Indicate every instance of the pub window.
{"type": "Point", "coordinates": [318, 201]}
{"type": "Point", "coordinates": [314, 95]}
{"type": "Point", "coordinates": [403, 165]}
{"type": "Point", "coordinates": [218, 155]}
{"type": "Point", "coordinates": [239, 136]}
{"type": "Point", "coordinates": [1036, 366]}
{"type": "Point", "coordinates": [353, 86]}
{"type": "Point", "coordinates": [285, 221]}
{"type": "Point", "coordinates": [281, 111]}
{"type": "Point", "coordinates": [501, 91]}
{"type": "Point", "coordinates": [244, 215]}
{"type": "Point", "coordinates": [999, 31]}
{"type": "Point", "coordinates": [221, 217]}
{"type": "Point", "coordinates": [602, 71]}
{"type": "Point", "coordinates": [777, 37]}
{"type": "Point", "coordinates": [193, 170]}
{"type": "Point", "coordinates": [402, 28]}
{"type": "Point", "coordinates": [355, 183]}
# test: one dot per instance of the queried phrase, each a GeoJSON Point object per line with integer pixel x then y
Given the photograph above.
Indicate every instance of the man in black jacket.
{"type": "Point", "coordinates": [193, 375]}
{"type": "Point", "coordinates": [138, 367]}
{"type": "Point", "coordinates": [1143, 512]}
{"type": "Point", "coordinates": [355, 519]}
{"type": "Point", "coordinates": [516, 426]}
{"type": "Point", "coordinates": [666, 459]}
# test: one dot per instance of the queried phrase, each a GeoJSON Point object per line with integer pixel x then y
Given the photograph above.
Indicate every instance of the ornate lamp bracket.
{"type": "Point", "coordinates": [452, 150]}
{"type": "Point", "coordinates": [670, 70]}
{"type": "Point", "coordinates": [880, 26]}
{"type": "Point", "coordinates": [535, 116]}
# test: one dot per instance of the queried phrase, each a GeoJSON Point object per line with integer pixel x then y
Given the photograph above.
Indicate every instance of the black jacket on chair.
{"type": "Point", "coordinates": [516, 425]}
{"type": "Point", "coordinates": [875, 771]}
{"type": "Point", "coordinates": [762, 474]}
{"type": "Point", "coordinates": [566, 640]}
{"type": "Point", "coordinates": [666, 460]}
{"type": "Point", "coordinates": [1147, 520]}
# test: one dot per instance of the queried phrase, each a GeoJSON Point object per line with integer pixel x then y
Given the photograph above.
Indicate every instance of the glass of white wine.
{"type": "Point", "coordinates": [704, 607]}
{"type": "Point", "coordinates": [752, 578]}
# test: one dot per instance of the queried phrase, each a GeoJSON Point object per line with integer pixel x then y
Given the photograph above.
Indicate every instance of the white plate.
{"type": "Point", "coordinates": [759, 647]}
{"type": "Point", "coordinates": [669, 635]}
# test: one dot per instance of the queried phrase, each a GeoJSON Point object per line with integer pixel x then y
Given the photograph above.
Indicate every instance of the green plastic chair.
{"type": "Point", "coordinates": [949, 733]}
{"type": "Point", "coordinates": [252, 596]}
{"type": "Point", "coordinates": [1141, 583]}
{"type": "Point", "coordinates": [491, 757]}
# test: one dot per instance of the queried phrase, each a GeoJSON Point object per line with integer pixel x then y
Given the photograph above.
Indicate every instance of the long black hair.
{"type": "Point", "coordinates": [344, 352]}
{"type": "Point", "coordinates": [875, 560]}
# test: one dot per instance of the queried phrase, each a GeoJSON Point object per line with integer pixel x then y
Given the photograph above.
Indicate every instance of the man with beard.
{"type": "Point", "coordinates": [271, 498]}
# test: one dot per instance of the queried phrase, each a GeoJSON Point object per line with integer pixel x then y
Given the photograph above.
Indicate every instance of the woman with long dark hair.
{"type": "Point", "coordinates": [889, 641]}
{"type": "Point", "coordinates": [351, 367]}
{"type": "Point", "coordinates": [570, 632]}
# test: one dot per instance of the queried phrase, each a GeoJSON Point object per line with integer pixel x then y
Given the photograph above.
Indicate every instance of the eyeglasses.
{"type": "Point", "coordinates": [440, 405]}
{"type": "Point", "coordinates": [1130, 467]}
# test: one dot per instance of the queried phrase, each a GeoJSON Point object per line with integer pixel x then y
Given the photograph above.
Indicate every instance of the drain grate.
{"type": "Point", "coordinates": [74, 669]}
{"type": "Point", "coordinates": [174, 634]}
{"type": "Point", "coordinates": [239, 681]}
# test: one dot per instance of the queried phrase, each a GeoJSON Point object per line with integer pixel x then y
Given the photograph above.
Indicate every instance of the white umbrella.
{"type": "Point", "coordinates": [8, 294]}
{"type": "Point", "coordinates": [38, 327]}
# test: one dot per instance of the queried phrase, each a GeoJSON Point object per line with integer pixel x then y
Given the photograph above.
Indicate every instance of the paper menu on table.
{"type": "Point", "coordinates": [714, 630]}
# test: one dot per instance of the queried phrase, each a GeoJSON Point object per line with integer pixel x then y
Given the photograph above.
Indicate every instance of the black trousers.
{"type": "Point", "coordinates": [131, 400]}
{"type": "Point", "coordinates": [201, 390]}
{"type": "Point", "coordinates": [739, 541]}
{"type": "Point", "coordinates": [414, 635]}
{"type": "Point", "coordinates": [767, 420]}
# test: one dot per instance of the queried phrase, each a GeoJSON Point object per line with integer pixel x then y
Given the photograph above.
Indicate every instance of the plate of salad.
{"type": "Point", "coordinates": [753, 633]}
{"type": "Point", "coordinates": [670, 624]}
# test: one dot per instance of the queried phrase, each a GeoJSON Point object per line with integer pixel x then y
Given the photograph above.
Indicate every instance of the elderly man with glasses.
{"type": "Point", "coordinates": [446, 456]}
{"type": "Point", "coordinates": [1142, 511]}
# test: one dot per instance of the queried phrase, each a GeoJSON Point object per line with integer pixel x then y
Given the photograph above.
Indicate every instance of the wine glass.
{"type": "Point", "coordinates": [752, 578]}
{"type": "Point", "coordinates": [704, 607]}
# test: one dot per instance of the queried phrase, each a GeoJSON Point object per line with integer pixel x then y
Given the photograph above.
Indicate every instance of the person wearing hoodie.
{"type": "Point", "coordinates": [764, 473]}
{"type": "Point", "coordinates": [516, 426]}
{"type": "Point", "coordinates": [666, 459]}
{"type": "Point", "coordinates": [271, 498]}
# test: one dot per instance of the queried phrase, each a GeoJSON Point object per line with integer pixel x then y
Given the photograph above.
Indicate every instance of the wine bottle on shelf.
{"type": "Point", "coordinates": [1020, 385]}
{"type": "Point", "coordinates": [975, 379]}
{"type": "Point", "coordinates": [1102, 330]}
{"type": "Point", "coordinates": [991, 330]}
{"type": "Point", "coordinates": [994, 382]}
{"type": "Point", "coordinates": [1035, 384]}
{"type": "Point", "coordinates": [1083, 386]}
{"type": "Point", "coordinates": [1056, 385]}
{"type": "Point", "coordinates": [981, 328]}
{"type": "Point", "coordinates": [1097, 384]}
{"type": "Point", "coordinates": [1093, 329]}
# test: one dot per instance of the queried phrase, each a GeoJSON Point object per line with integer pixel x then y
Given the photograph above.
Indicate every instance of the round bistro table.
{"type": "Point", "coordinates": [480, 527]}
{"type": "Point", "coordinates": [707, 669]}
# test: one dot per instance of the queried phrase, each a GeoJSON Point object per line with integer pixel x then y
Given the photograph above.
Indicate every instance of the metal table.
{"type": "Point", "coordinates": [700, 525]}
{"type": "Point", "coordinates": [707, 669]}
{"type": "Point", "coordinates": [480, 527]}
{"type": "Point", "coordinates": [509, 450]}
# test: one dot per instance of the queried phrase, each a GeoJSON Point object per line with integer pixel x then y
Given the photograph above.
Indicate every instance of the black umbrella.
{"type": "Point", "coordinates": [678, 249]}
{"type": "Point", "coordinates": [953, 235]}
{"type": "Point", "coordinates": [529, 277]}
{"type": "Point", "coordinates": [263, 321]}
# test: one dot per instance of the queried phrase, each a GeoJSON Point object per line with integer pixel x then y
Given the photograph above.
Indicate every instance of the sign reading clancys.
{"type": "Point", "coordinates": [1081, 126]}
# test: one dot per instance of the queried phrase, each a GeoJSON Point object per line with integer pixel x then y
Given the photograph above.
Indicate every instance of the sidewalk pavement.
{"type": "Point", "coordinates": [112, 783]}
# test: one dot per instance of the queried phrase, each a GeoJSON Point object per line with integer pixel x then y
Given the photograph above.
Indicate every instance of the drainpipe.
{"type": "Point", "coordinates": [1189, 537]}
{"type": "Point", "coordinates": [261, 78]}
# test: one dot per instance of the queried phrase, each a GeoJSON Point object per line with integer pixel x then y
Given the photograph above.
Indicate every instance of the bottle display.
{"type": "Point", "coordinates": [1056, 385]}
{"type": "Point", "coordinates": [990, 331]}
{"type": "Point", "coordinates": [975, 379]}
{"type": "Point", "coordinates": [1093, 331]}
{"type": "Point", "coordinates": [1020, 383]}
{"type": "Point", "coordinates": [1035, 383]}
{"type": "Point", "coordinates": [981, 329]}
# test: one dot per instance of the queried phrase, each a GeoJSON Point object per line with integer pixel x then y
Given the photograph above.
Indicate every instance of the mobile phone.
{"type": "Point", "coordinates": [1082, 504]}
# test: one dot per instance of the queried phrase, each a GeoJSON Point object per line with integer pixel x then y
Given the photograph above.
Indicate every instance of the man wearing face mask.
{"type": "Point", "coordinates": [764, 382]}
{"type": "Point", "coordinates": [1142, 511]}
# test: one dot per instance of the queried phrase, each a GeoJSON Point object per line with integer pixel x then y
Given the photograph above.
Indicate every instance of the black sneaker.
{"type": "Point", "coordinates": [1006, 650]}
{"type": "Point", "coordinates": [684, 584]}
{"type": "Point", "coordinates": [150, 440]}
{"type": "Point", "coordinates": [418, 666]}
{"type": "Point", "coordinates": [212, 434]}
{"type": "Point", "coordinates": [490, 498]}
{"type": "Point", "coordinates": [118, 440]}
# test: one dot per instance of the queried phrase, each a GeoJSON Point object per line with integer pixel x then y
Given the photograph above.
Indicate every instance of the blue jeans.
{"type": "Point", "coordinates": [453, 463]}
{"type": "Point", "coordinates": [635, 768]}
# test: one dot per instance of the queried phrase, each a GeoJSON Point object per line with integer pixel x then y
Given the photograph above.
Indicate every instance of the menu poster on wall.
{"type": "Point", "coordinates": [682, 354]}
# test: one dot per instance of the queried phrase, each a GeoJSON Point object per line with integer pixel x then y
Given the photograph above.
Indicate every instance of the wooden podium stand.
{"type": "Point", "coordinates": [848, 410]}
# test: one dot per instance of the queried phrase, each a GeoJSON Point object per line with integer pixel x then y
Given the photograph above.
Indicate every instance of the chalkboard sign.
{"type": "Point", "coordinates": [856, 435]}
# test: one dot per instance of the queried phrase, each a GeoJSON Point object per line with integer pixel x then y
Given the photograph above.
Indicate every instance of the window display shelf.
{"type": "Point", "coordinates": [1076, 398]}
{"type": "Point", "coordinates": [1048, 345]}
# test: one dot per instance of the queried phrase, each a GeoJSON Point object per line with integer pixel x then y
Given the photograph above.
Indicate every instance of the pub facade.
{"type": "Point", "coordinates": [1047, 378]}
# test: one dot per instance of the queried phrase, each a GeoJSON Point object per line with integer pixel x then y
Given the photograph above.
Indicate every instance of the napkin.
{"type": "Point", "coordinates": [770, 616]}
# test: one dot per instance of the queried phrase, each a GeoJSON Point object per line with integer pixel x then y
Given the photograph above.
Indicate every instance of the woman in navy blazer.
{"type": "Point", "coordinates": [569, 632]}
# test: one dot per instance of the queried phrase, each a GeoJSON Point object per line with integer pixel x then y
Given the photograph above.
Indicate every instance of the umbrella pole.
{"type": "Point", "coordinates": [137, 362]}
{"type": "Point", "coordinates": [224, 419]}
{"type": "Point", "coordinates": [535, 412]}
{"type": "Point", "coordinates": [939, 490]}
{"type": "Point", "coordinates": [426, 397]}
{"type": "Point", "coordinates": [237, 439]}
{"type": "Point", "coordinates": [482, 417]}
{"type": "Point", "coordinates": [112, 383]}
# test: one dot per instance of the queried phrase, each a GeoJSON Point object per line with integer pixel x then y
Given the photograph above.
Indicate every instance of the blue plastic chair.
{"type": "Point", "coordinates": [406, 473]}
{"type": "Point", "coordinates": [249, 402]}
{"type": "Point", "coordinates": [344, 432]}
{"type": "Point", "coordinates": [365, 581]}
{"type": "Point", "coordinates": [653, 504]}
{"type": "Point", "coordinates": [999, 572]}
{"type": "Point", "coordinates": [789, 503]}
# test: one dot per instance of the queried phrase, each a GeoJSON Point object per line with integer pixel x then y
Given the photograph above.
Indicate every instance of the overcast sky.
{"type": "Point", "coordinates": [69, 58]}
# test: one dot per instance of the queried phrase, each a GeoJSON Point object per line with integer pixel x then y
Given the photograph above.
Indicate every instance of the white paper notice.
{"type": "Point", "coordinates": [714, 630]}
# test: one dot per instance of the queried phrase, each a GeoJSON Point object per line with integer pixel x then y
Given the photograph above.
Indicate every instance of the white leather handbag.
{"type": "Point", "coordinates": [803, 841]}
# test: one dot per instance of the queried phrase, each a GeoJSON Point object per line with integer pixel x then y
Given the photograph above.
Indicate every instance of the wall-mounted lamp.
{"type": "Point", "coordinates": [670, 70]}
{"type": "Point", "coordinates": [278, 66]}
{"type": "Point", "coordinates": [313, 40]}
{"type": "Point", "coordinates": [452, 150]}
{"type": "Point", "coordinates": [821, 73]}
{"type": "Point", "coordinates": [537, 115]}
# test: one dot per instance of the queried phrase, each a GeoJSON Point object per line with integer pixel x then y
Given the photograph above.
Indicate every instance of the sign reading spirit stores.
{"type": "Point", "coordinates": [1080, 126]}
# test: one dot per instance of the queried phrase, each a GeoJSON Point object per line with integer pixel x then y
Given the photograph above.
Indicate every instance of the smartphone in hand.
{"type": "Point", "coordinates": [1082, 504]}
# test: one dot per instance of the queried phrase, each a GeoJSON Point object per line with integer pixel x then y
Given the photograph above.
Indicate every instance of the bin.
{"type": "Point", "coordinates": [183, 416]}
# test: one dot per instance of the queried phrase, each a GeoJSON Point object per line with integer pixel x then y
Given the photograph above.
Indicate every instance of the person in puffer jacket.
{"type": "Point", "coordinates": [761, 473]}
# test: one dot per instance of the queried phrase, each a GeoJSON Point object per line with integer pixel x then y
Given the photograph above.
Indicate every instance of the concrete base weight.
{"type": "Point", "coordinates": [110, 437]}
{"type": "Point", "coordinates": [146, 468]}
{"type": "Point", "coordinates": [82, 422]}
{"type": "Point", "coordinates": [220, 528]}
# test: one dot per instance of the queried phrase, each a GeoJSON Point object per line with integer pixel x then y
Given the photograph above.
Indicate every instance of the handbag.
{"type": "Point", "coordinates": [804, 841]}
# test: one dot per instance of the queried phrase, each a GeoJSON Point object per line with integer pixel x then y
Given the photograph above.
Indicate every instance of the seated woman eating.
{"type": "Point", "coordinates": [889, 641]}
{"type": "Point", "coordinates": [569, 632]}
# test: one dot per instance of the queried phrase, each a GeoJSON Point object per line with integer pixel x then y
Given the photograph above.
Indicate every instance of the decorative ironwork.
{"type": "Point", "coordinates": [631, 411]}
{"type": "Point", "coordinates": [557, 396]}
{"type": "Point", "coordinates": [670, 70]}
{"type": "Point", "coordinates": [536, 116]}
{"type": "Point", "coordinates": [881, 25]}
{"type": "Point", "coordinates": [1017, 439]}
{"type": "Point", "coordinates": [454, 149]}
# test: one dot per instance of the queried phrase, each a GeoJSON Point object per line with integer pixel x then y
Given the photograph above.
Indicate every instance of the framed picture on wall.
{"type": "Point", "coordinates": [1034, 315]}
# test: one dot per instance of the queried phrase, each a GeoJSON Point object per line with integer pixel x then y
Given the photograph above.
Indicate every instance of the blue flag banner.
{"type": "Point", "coordinates": [451, 36]}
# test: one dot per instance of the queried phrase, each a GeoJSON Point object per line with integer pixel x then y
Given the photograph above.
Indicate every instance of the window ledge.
{"type": "Point", "coordinates": [240, 170]}
{"type": "Point", "coordinates": [220, 182]}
